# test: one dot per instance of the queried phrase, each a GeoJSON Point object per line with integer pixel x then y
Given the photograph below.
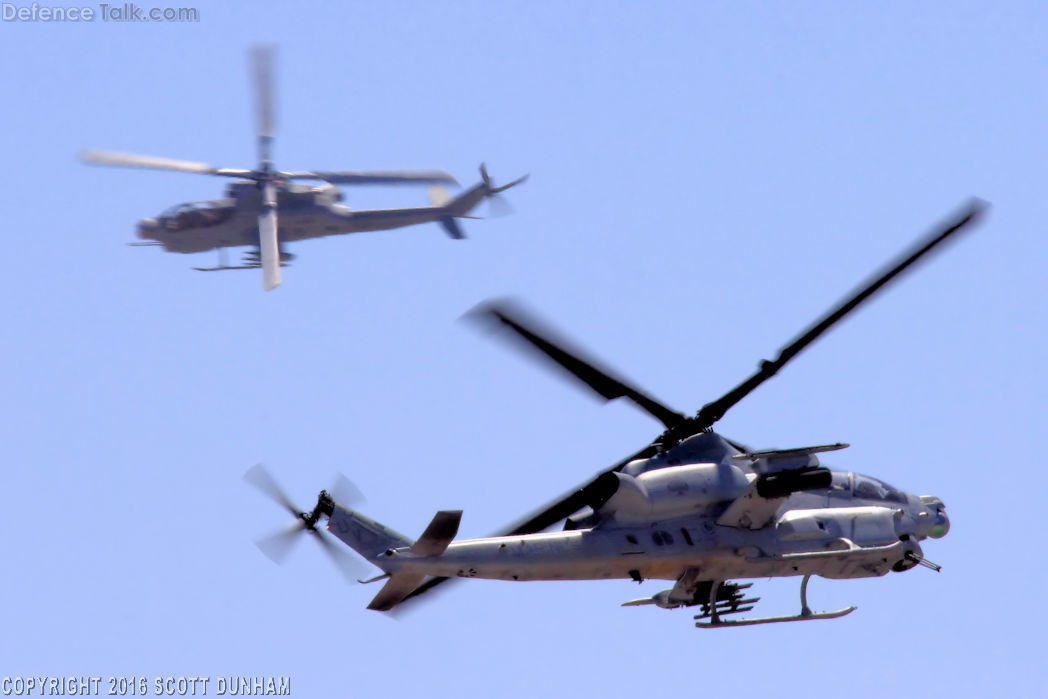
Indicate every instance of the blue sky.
{"type": "Point", "coordinates": [706, 178]}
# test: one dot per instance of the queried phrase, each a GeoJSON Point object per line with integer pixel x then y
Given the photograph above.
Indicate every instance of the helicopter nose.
{"type": "Point", "coordinates": [934, 522]}
{"type": "Point", "coordinates": [146, 227]}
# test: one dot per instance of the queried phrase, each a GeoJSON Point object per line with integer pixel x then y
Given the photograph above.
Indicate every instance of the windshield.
{"type": "Point", "coordinates": [192, 206]}
{"type": "Point", "coordinates": [200, 214]}
{"type": "Point", "coordinates": [873, 489]}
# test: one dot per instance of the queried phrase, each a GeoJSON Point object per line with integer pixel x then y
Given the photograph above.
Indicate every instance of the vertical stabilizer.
{"type": "Point", "coordinates": [433, 542]}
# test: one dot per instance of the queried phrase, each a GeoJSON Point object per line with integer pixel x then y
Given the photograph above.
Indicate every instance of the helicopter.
{"type": "Point", "coordinates": [248, 214]}
{"type": "Point", "coordinates": [692, 507]}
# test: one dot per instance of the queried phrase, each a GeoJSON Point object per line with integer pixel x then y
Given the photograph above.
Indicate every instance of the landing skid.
{"type": "Point", "coordinates": [716, 609]}
{"type": "Point", "coordinates": [251, 262]}
{"type": "Point", "coordinates": [221, 268]}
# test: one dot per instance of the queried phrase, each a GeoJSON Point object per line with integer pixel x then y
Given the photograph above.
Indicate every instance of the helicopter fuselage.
{"type": "Point", "coordinates": [304, 212]}
{"type": "Point", "coordinates": [857, 527]}
{"type": "Point", "coordinates": [609, 553]}
{"type": "Point", "coordinates": [691, 506]}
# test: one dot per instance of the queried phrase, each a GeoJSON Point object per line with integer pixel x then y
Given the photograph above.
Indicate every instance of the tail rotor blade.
{"type": "Point", "coordinates": [267, 237]}
{"type": "Point", "coordinates": [514, 183]}
{"type": "Point", "coordinates": [490, 186]}
{"type": "Point", "coordinates": [352, 569]}
{"type": "Point", "coordinates": [345, 492]}
{"type": "Point", "coordinates": [498, 206]}
{"type": "Point", "coordinates": [277, 546]}
{"type": "Point", "coordinates": [259, 477]}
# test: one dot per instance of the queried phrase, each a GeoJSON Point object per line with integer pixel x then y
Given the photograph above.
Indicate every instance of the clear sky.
{"type": "Point", "coordinates": [706, 178]}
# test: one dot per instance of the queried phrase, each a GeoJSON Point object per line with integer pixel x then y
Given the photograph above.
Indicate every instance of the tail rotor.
{"type": "Point", "coordinates": [277, 546]}
{"type": "Point", "coordinates": [499, 205]}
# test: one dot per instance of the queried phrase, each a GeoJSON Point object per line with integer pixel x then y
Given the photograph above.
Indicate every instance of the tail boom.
{"type": "Point", "coordinates": [364, 535]}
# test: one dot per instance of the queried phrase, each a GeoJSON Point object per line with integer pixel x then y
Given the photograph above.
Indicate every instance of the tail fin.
{"type": "Point", "coordinates": [452, 228]}
{"type": "Point", "coordinates": [433, 542]}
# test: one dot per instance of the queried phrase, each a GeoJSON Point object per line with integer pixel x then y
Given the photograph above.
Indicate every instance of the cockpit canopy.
{"type": "Point", "coordinates": [865, 487]}
{"type": "Point", "coordinates": [196, 214]}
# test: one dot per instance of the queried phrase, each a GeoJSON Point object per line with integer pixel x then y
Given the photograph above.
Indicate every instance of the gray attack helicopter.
{"type": "Point", "coordinates": [248, 215]}
{"type": "Point", "coordinates": [692, 506]}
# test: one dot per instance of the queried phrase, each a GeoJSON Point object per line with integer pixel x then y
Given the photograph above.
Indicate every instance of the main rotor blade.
{"type": "Point", "coordinates": [715, 410]}
{"type": "Point", "coordinates": [268, 246]}
{"type": "Point", "coordinates": [104, 157]}
{"type": "Point", "coordinates": [586, 370]}
{"type": "Point", "coordinates": [569, 503]}
{"type": "Point", "coordinates": [262, 71]}
{"type": "Point", "coordinates": [387, 177]}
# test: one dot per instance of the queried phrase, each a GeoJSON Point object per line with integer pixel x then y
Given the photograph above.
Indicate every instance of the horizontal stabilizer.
{"type": "Point", "coordinates": [451, 227]}
{"type": "Point", "coordinates": [433, 542]}
{"type": "Point", "coordinates": [438, 534]}
{"type": "Point", "coordinates": [399, 586]}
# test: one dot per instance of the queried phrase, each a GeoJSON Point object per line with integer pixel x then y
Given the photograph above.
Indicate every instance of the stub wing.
{"type": "Point", "coordinates": [693, 589]}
